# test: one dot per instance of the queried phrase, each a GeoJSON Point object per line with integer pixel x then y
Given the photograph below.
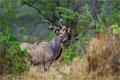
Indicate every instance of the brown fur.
{"type": "Point", "coordinates": [38, 52]}
{"type": "Point", "coordinates": [37, 42]}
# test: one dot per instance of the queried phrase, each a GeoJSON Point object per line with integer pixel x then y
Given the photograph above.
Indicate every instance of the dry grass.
{"type": "Point", "coordinates": [101, 63]}
{"type": "Point", "coordinates": [104, 55]}
{"type": "Point", "coordinates": [57, 71]}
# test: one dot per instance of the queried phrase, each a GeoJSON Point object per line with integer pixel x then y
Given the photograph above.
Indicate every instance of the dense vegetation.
{"type": "Point", "coordinates": [94, 37]}
{"type": "Point", "coordinates": [12, 58]}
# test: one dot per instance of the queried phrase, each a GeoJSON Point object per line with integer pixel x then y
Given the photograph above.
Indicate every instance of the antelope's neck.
{"type": "Point", "coordinates": [56, 46]}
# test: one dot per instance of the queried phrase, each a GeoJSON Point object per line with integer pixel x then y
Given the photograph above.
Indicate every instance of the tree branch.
{"type": "Point", "coordinates": [30, 5]}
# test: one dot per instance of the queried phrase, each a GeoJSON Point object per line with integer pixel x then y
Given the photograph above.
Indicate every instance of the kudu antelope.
{"type": "Point", "coordinates": [41, 51]}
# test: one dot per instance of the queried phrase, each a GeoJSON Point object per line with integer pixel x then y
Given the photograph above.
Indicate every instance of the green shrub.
{"type": "Point", "coordinates": [69, 54]}
{"type": "Point", "coordinates": [12, 58]}
{"type": "Point", "coordinates": [116, 29]}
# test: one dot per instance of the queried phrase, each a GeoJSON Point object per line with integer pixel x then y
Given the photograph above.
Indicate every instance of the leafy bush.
{"type": "Point", "coordinates": [69, 54]}
{"type": "Point", "coordinates": [12, 58]}
{"type": "Point", "coordinates": [116, 29]}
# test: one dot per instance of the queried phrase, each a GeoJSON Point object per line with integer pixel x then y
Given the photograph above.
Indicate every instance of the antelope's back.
{"type": "Point", "coordinates": [38, 52]}
{"type": "Point", "coordinates": [44, 53]}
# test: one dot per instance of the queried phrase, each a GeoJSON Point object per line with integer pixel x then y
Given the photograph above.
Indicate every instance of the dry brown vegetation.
{"type": "Point", "coordinates": [101, 63]}
{"type": "Point", "coordinates": [104, 55]}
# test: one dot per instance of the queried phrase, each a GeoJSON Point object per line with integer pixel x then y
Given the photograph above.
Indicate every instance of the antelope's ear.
{"type": "Point", "coordinates": [67, 30]}
{"type": "Point", "coordinates": [56, 30]}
